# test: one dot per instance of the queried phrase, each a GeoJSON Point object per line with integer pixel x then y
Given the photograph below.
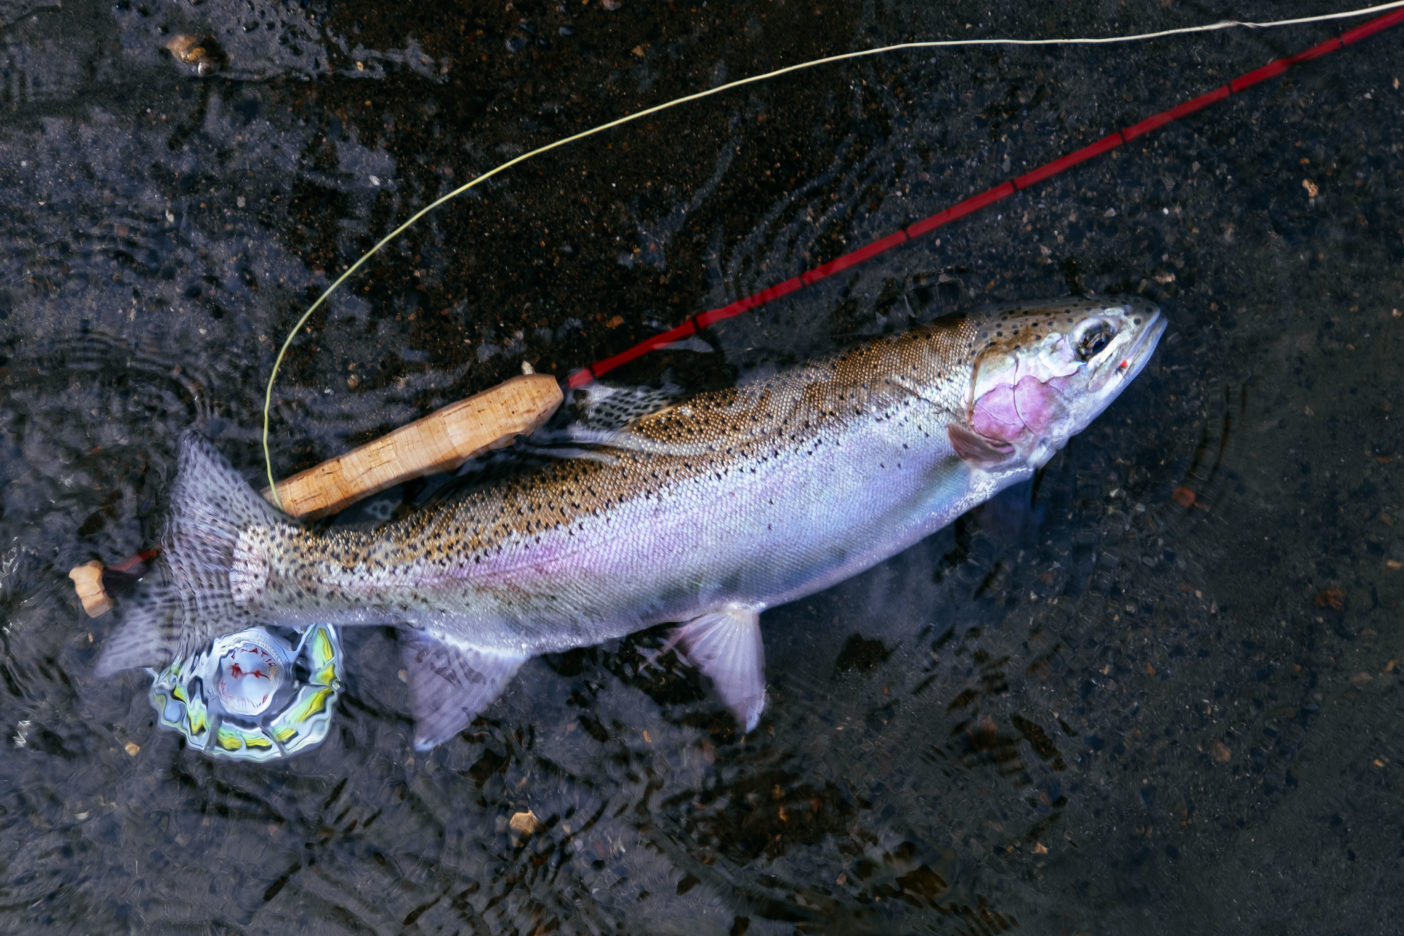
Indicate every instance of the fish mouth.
{"type": "Point", "coordinates": [1138, 354]}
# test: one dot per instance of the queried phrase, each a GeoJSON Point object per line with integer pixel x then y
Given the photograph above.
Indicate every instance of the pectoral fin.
{"type": "Point", "coordinates": [977, 450]}
{"type": "Point", "coordinates": [449, 685]}
{"type": "Point", "coordinates": [726, 646]}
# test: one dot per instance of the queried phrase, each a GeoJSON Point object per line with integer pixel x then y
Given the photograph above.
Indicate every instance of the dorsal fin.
{"type": "Point", "coordinates": [606, 407]}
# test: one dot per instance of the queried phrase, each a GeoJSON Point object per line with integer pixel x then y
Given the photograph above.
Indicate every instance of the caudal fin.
{"type": "Point", "coordinates": [185, 600]}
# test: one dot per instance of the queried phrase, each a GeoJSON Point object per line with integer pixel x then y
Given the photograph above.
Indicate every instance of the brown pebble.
{"type": "Point", "coordinates": [87, 581]}
{"type": "Point", "coordinates": [132, 748]}
{"type": "Point", "coordinates": [1220, 752]}
{"type": "Point", "coordinates": [1183, 496]}
{"type": "Point", "coordinates": [201, 51]}
{"type": "Point", "coordinates": [185, 48]}
{"type": "Point", "coordinates": [1333, 598]}
{"type": "Point", "coordinates": [523, 823]}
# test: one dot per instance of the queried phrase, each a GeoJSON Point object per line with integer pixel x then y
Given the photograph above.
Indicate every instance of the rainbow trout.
{"type": "Point", "coordinates": [705, 510]}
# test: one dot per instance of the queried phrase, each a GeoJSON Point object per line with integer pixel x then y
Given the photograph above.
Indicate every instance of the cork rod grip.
{"type": "Point", "coordinates": [442, 440]}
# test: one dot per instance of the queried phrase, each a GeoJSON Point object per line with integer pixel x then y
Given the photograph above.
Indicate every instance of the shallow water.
{"type": "Point", "coordinates": [1157, 689]}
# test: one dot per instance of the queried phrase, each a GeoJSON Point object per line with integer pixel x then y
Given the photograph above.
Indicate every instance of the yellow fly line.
{"type": "Point", "coordinates": [731, 86]}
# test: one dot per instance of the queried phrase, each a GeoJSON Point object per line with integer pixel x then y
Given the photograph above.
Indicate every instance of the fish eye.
{"type": "Point", "coordinates": [1094, 341]}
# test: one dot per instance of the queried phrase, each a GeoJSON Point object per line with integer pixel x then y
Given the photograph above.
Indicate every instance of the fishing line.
{"type": "Point", "coordinates": [976, 202]}
{"type": "Point", "coordinates": [921, 227]}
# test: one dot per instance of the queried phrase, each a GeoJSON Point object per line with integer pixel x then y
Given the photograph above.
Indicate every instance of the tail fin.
{"type": "Point", "coordinates": [185, 600]}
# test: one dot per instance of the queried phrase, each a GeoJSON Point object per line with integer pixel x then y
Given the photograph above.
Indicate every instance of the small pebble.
{"type": "Point", "coordinates": [87, 581]}
{"type": "Point", "coordinates": [523, 823]}
{"type": "Point", "coordinates": [201, 51]}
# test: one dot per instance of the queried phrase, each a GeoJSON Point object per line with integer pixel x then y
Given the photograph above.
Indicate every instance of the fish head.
{"type": "Point", "coordinates": [1042, 374]}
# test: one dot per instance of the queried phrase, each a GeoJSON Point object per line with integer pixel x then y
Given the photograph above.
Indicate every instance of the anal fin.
{"type": "Point", "coordinates": [726, 646]}
{"type": "Point", "coordinates": [449, 685]}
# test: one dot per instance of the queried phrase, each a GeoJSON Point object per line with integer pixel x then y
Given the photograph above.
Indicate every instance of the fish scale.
{"type": "Point", "coordinates": [706, 510]}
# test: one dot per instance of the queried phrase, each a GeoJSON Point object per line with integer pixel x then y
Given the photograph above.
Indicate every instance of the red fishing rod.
{"type": "Point", "coordinates": [984, 199]}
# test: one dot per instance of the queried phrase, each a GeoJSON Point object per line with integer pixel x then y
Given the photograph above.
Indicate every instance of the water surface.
{"type": "Point", "coordinates": [1157, 690]}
